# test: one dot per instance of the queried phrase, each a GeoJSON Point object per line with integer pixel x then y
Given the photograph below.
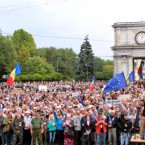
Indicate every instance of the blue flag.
{"type": "Point", "coordinates": [116, 83]}
{"type": "Point", "coordinates": [18, 69]}
{"type": "Point", "coordinates": [131, 77]}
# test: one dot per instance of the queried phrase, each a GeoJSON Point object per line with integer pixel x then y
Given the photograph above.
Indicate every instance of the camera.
{"type": "Point", "coordinates": [138, 108]}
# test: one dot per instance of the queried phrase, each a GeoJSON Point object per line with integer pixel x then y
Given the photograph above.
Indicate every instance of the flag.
{"type": "Point", "coordinates": [92, 85]}
{"type": "Point", "coordinates": [116, 83]}
{"type": "Point", "coordinates": [139, 72]}
{"type": "Point", "coordinates": [4, 76]}
{"type": "Point", "coordinates": [130, 78]}
{"type": "Point", "coordinates": [16, 71]}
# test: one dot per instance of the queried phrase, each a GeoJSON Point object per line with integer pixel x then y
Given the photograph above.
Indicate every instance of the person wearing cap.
{"type": "Point", "coordinates": [112, 128]}
{"type": "Point", "coordinates": [27, 133]}
{"type": "Point", "coordinates": [124, 125]}
{"type": "Point", "coordinates": [17, 127]}
{"type": "Point", "coordinates": [36, 128]}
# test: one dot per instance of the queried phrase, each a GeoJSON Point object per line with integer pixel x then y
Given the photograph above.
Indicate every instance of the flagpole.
{"type": "Point", "coordinates": [18, 97]}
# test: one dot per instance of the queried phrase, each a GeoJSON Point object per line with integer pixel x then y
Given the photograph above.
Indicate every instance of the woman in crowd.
{"type": "Point", "coordinates": [86, 133]}
{"type": "Point", "coordinates": [68, 130]}
{"type": "Point", "coordinates": [51, 129]}
{"type": "Point", "coordinates": [60, 118]}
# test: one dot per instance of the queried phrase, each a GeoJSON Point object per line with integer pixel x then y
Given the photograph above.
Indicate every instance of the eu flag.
{"type": "Point", "coordinates": [116, 83]}
{"type": "Point", "coordinates": [18, 69]}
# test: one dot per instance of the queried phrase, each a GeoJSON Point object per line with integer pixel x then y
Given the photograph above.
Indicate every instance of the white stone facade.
{"type": "Point", "coordinates": [126, 47]}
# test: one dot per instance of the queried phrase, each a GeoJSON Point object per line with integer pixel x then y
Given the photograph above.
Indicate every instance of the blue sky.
{"type": "Point", "coordinates": [65, 23]}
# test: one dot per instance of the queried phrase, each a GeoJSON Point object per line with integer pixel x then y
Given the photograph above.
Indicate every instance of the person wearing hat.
{"type": "Point", "coordinates": [27, 133]}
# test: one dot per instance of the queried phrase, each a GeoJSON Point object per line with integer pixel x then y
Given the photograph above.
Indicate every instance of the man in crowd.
{"type": "Point", "coordinates": [27, 133]}
{"type": "Point", "coordinates": [36, 128]}
{"type": "Point", "coordinates": [125, 128]}
{"type": "Point", "coordinates": [1, 126]}
{"type": "Point", "coordinates": [17, 126]}
{"type": "Point", "coordinates": [112, 128]}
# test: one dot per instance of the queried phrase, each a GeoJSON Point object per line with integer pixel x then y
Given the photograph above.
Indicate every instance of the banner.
{"type": "Point", "coordinates": [111, 102]}
{"type": "Point", "coordinates": [124, 97]}
{"type": "Point", "coordinates": [42, 88]}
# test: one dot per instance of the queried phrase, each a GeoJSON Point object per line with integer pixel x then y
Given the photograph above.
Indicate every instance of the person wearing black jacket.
{"type": "Point", "coordinates": [86, 132]}
{"type": "Point", "coordinates": [124, 125]}
{"type": "Point", "coordinates": [112, 128]}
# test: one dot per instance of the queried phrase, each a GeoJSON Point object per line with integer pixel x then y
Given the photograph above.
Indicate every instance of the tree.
{"type": "Point", "coordinates": [64, 60]}
{"type": "Point", "coordinates": [85, 69]}
{"type": "Point", "coordinates": [108, 71]}
{"type": "Point", "coordinates": [98, 64]}
{"type": "Point", "coordinates": [22, 56]}
{"type": "Point", "coordinates": [7, 55]}
{"type": "Point", "coordinates": [38, 65]}
{"type": "Point", "coordinates": [21, 39]}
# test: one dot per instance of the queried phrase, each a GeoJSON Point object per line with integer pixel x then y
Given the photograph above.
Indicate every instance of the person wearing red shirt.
{"type": "Point", "coordinates": [101, 129]}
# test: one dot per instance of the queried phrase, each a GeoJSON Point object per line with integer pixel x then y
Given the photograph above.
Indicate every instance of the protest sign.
{"type": "Point", "coordinates": [43, 88]}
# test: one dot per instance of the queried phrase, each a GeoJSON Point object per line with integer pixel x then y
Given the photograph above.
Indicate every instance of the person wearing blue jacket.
{"type": "Point", "coordinates": [51, 129]}
{"type": "Point", "coordinates": [60, 118]}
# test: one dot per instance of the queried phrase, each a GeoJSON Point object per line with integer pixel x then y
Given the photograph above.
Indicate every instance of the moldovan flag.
{"type": "Point", "coordinates": [92, 85]}
{"type": "Point", "coordinates": [139, 72]}
{"type": "Point", "coordinates": [16, 71]}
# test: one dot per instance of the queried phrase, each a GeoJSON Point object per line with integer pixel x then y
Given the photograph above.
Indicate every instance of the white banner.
{"type": "Point", "coordinates": [43, 88]}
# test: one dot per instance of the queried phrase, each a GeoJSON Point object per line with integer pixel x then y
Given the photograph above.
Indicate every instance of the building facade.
{"type": "Point", "coordinates": [129, 47]}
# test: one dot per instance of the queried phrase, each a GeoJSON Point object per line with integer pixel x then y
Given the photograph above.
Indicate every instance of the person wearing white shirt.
{"type": "Point", "coordinates": [27, 133]}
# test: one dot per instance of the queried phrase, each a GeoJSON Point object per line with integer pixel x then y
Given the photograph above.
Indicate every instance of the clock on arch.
{"type": "Point", "coordinates": [140, 38]}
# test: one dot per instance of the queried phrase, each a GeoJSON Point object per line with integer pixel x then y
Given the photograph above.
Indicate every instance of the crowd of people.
{"type": "Point", "coordinates": [68, 113]}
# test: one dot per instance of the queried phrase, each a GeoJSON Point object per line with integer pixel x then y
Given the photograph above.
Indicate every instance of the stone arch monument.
{"type": "Point", "coordinates": [129, 47]}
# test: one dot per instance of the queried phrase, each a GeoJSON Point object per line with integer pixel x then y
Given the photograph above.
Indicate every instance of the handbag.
{"type": "Point", "coordinates": [70, 132]}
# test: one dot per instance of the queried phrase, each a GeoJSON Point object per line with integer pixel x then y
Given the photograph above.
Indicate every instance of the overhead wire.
{"type": "Point", "coordinates": [28, 6]}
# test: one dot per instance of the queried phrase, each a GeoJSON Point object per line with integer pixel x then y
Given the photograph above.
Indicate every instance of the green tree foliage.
{"type": "Point", "coordinates": [23, 55]}
{"type": "Point", "coordinates": [38, 65]}
{"type": "Point", "coordinates": [63, 60]}
{"type": "Point", "coordinates": [108, 71]}
{"type": "Point", "coordinates": [21, 39]}
{"type": "Point", "coordinates": [7, 55]}
{"type": "Point", "coordinates": [85, 69]}
{"type": "Point", "coordinates": [98, 64]}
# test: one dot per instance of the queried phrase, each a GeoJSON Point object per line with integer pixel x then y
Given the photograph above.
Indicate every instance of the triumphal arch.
{"type": "Point", "coordinates": [129, 46]}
